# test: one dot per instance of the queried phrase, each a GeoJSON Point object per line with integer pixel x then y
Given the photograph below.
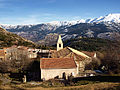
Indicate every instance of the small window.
{"type": "Point", "coordinates": [59, 45]}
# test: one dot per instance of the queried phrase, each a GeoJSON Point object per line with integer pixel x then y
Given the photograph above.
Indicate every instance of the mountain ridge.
{"type": "Point", "coordinates": [114, 17]}
{"type": "Point", "coordinates": [101, 27]}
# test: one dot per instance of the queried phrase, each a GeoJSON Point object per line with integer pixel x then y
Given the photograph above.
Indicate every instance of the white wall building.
{"type": "Point", "coordinates": [53, 67]}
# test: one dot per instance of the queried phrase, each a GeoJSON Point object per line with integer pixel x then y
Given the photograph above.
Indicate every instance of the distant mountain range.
{"type": "Point", "coordinates": [107, 27]}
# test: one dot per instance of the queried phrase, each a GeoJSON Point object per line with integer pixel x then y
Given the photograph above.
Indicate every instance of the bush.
{"type": "Point", "coordinates": [53, 83]}
{"type": "Point", "coordinates": [1, 82]}
{"type": "Point", "coordinates": [94, 65]}
{"type": "Point", "coordinates": [84, 82]}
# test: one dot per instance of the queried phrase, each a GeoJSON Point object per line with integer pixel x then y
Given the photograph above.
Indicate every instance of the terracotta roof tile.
{"type": "Point", "coordinates": [61, 53]}
{"type": "Point", "coordinates": [75, 56]}
{"type": "Point", "coordinates": [57, 63]}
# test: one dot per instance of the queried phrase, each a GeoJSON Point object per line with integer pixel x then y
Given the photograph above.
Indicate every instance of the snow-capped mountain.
{"type": "Point", "coordinates": [102, 27]}
{"type": "Point", "coordinates": [53, 24]}
{"type": "Point", "coordinates": [66, 23]}
{"type": "Point", "coordinates": [7, 26]}
{"type": "Point", "coordinates": [108, 18]}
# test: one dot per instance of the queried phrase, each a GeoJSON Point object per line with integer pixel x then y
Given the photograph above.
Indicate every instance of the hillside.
{"type": "Point", "coordinates": [92, 30]}
{"type": "Point", "coordinates": [8, 39]}
{"type": "Point", "coordinates": [49, 40]}
{"type": "Point", "coordinates": [91, 44]}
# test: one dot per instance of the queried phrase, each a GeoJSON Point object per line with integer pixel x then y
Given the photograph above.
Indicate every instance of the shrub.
{"type": "Point", "coordinates": [84, 82]}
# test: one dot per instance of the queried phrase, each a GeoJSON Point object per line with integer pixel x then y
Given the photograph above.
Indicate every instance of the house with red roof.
{"type": "Point", "coordinates": [65, 61]}
{"type": "Point", "coordinates": [81, 58]}
{"type": "Point", "coordinates": [57, 67]}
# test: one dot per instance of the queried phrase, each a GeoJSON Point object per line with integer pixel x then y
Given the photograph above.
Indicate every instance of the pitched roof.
{"type": "Point", "coordinates": [67, 50]}
{"type": "Point", "coordinates": [61, 53]}
{"type": "Point", "coordinates": [91, 54]}
{"type": "Point", "coordinates": [79, 57]}
{"type": "Point", "coordinates": [78, 52]}
{"type": "Point", "coordinates": [57, 63]}
{"type": "Point", "coordinates": [75, 56]}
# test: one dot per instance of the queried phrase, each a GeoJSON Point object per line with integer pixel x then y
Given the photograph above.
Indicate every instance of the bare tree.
{"type": "Point", "coordinates": [111, 60]}
{"type": "Point", "coordinates": [16, 60]}
{"type": "Point", "coordinates": [3, 66]}
{"type": "Point", "coordinates": [94, 64]}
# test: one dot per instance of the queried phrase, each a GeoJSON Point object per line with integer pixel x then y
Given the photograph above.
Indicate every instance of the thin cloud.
{"type": "Point", "coordinates": [30, 19]}
{"type": "Point", "coordinates": [21, 20]}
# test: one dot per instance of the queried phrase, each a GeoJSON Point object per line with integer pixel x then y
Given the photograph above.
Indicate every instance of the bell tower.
{"type": "Point", "coordinates": [59, 43]}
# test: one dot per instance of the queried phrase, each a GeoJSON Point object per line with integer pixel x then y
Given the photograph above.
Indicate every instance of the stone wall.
{"type": "Point", "coordinates": [52, 73]}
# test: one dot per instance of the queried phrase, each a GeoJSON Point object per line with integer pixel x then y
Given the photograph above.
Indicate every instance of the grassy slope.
{"type": "Point", "coordinates": [8, 39]}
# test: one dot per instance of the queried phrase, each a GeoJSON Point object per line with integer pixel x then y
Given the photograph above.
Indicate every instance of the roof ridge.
{"type": "Point", "coordinates": [78, 52]}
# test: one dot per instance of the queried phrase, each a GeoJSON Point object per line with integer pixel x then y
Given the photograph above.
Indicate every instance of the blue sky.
{"type": "Point", "coordinates": [40, 11]}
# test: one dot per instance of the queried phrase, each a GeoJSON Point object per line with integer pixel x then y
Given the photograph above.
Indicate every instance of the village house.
{"type": "Point", "coordinates": [53, 63]}
{"type": "Point", "coordinates": [57, 67]}
{"type": "Point", "coordinates": [65, 60]}
{"type": "Point", "coordinates": [44, 53]}
{"type": "Point", "coordinates": [7, 52]}
{"type": "Point", "coordinates": [81, 57]}
{"type": "Point", "coordinates": [40, 53]}
{"type": "Point", "coordinates": [31, 52]}
{"type": "Point", "coordinates": [15, 52]}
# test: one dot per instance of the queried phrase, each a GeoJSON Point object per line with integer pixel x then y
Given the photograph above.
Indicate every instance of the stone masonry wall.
{"type": "Point", "coordinates": [51, 73]}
